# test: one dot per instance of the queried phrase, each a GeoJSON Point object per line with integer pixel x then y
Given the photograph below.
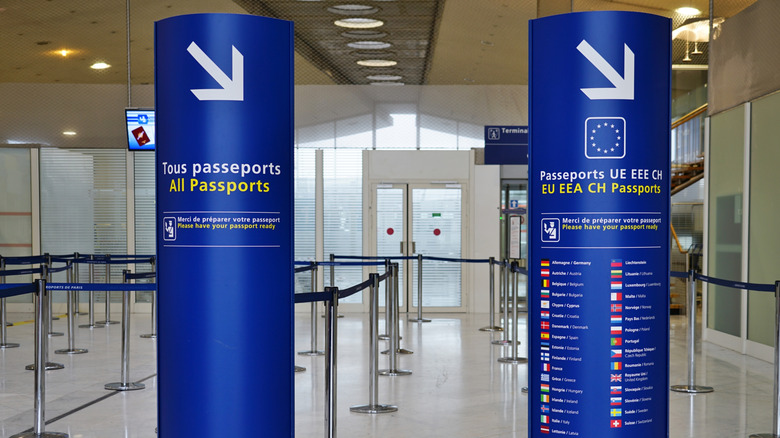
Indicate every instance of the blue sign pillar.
{"type": "Point", "coordinates": [224, 86]}
{"type": "Point", "coordinates": [599, 225]}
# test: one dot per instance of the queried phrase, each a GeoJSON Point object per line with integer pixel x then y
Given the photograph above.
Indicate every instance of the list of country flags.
{"type": "Point", "coordinates": [616, 342]}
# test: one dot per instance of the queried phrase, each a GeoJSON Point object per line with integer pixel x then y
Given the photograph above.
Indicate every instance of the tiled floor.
{"type": "Point", "coordinates": [457, 389]}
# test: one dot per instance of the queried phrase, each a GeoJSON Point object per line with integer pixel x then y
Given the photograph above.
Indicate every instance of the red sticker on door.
{"type": "Point", "coordinates": [390, 231]}
{"type": "Point", "coordinates": [436, 232]}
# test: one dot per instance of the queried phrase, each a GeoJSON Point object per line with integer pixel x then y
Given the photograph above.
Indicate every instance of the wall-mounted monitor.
{"type": "Point", "coordinates": [140, 129]}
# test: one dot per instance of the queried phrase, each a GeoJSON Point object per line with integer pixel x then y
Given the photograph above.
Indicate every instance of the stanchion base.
{"type": "Point", "coordinates": [91, 326]}
{"type": "Point", "coordinates": [501, 342]}
{"type": "Point", "coordinates": [695, 389]}
{"type": "Point", "coordinates": [8, 345]}
{"type": "Point", "coordinates": [149, 336]}
{"type": "Point", "coordinates": [373, 409]}
{"type": "Point", "coordinates": [298, 369]}
{"type": "Point", "coordinates": [493, 328]}
{"type": "Point", "coordinates": [399, 351]}
{"type": "Point", "coordinates": [74, 351]}
{"type": "Point", "coordinates": [755, 435]}
{"type": "Point", "coordinates": [383, 337]}
{"type": "Point", "coordinates": [49, 366]}
{"type": "Point", "coordinates": [340, 315]}
{"type": "Point", "coordinates": [41, 435]}
{"type": "Point", "coordinates": [392, 373]}
{"type": "Point", "coordinates": [514, 360]}
{"type": "Point", "coordinates": [107, 322]}
{"type": "Point", "coordinates": [55, 334]}
{"type": "Point", "coordinates": [311, 353]}
{"type": "Point", "coordinates": [418, 320]}
{"type": "Point", "coordinates": [119, 386]}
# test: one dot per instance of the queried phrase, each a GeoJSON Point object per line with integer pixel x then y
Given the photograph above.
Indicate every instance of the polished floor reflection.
{"type": "Point", "coordinates": [457, 388]}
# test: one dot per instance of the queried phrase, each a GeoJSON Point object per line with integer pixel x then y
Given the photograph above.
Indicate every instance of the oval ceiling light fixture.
{"type": "Point", "coordinates": [384, 77]}
{"type": "Point", "coordinates": [353, 9]}
{"type": "Point", "coordinates": [359, 23]}
{"type": "Point", "coordinates": [369, 45]}
{"type": "Point", "coordinates": [377, 62]}
{"type": "Point", "coordinates": [69, 133]}
{"type": "Point", "coordinates": [100, 66]}
{"type": "Point", "coordinates": [363, 34]}
{"type": "Point", "coordinates": [387, 84]}
{"type": "Point", "coordinates": [688, 11]}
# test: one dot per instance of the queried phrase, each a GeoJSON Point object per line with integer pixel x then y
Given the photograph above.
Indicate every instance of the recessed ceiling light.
{"type": "Point", "coordinates": [99, 66]}
{"type": "Point", "coordinates": [387, 83]}
{"type": "Point", "coordinates": [353, 9]}
{"type": "Point", "coordinates": [370, 45]}
{"type": "Point", "coordinates": [383, 77]}
{"type": "Point", "coordinates": [359, 23]}
{"type": "Point", "coordinates": [377, 62]}
{"type": "Point", "coordinates": [486, 43]}
{"type": "Point", "coordinates": [688, 11]}
{"type": "Point", "coordinates": [69, 133]}
{"type": "Point", "coordinates": [363, 34]}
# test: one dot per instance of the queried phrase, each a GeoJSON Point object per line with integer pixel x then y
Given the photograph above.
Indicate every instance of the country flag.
{"type": "Point", "coordinates": [617, 353]}
{"type": "Point", "coordinates": [616, 307]}
{"type": "Point", "coordinates": [545, 429]}
{"type": "Point", "coordinates": [616, 263]}
{"type": "Point", "coordinates": [615, 390]}
{"type": "Point", "coordinates": [616, 296]}
{"type": "Point", "coordinates": [616, 285]}
{"type": "Point", "coordinates": [616, 273]}
{"type": "Point", "coordinates": [545, 304]}
{"type": "Point", "coordinates": [545, 419]}
{"type": "Point", "coordinates": [545, 346]}
{"type": "Point", "coordinates": [545, 398]}
{"type": "Point", "coordinates": [545, 314]}
{"type": "Point", "coordinates": [616, 319]}
{"type": "Point", "coordinates": [546, 357]}
{"type": "Point", "coordinates": [615, 412]}
{"type": "Point", "coordinates": [605, 137]}
{"type": "Point", "coordinates": [545, 387]}
{"type": "Point", "coordinates": [616, 330]}
{"type": "Point", "coordinates": [545, 409]}
{"type": "Point", "coordinates": [615, 424]}
{"type": "Point", "coordinates": [546, 366]}
{"type": "Point", "coordinates": [615, 377]}
{"type": "Point", "coordinates": [545, 262]}
{"type": "Point", "coordinates": [545, 272]}
{"type": "Point", "coordinates": [545, 325]}
{"type": "Point", "coordinates": [545, 335]}
{"type": "Point", "coordinates": [616, 366]}
{"type": "Point", "coordinates": [545, 282]}
{"type": "Point", "coordinates": [545, 377]}
{"type": "Point", "coordinates": [616, 341]}
{"type": "Point", "coordinates": [615, 401]}
{"type": "Point", "coordinates": [545, 293]}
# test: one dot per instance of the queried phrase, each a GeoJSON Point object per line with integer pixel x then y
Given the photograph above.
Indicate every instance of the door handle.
{"type": "Point", "coordinates": [414, 247]}
{"type": "Point", "coordinates": [402, 247]}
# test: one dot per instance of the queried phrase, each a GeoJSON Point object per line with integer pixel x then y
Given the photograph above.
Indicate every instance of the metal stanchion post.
{"type": "Point", "coordinates": [45, 303]}
{"type": "Point", "coordinates": [92, 323]}
{"type": "Point", "coordinates": [392, 352]}
{"type": "Point", "coordinates": [333, 279]}
{"type": "Point", "coordinates": [776, 391]}
{"type": "Point", "coordinates": [504, 271]}
{"type": "Point", "coordinates": [373, 406]}
{"type": "Point", "coordinates": [39, 405]}
{"type": "Point", "coordinates": [514, 358]}
{"type": "Point", "coordinates": [75, 279]}
{"type": "Point", "coordinates": [153, 334]}
{"type": "Point", "coordinates": [313, 351]}
{"type": "Point", "coordinates": [388, 315]}
{"type": "Point", "coordinates": [3, 318]}
{"type": "Point", "coordinates": [50, 313]}
{"type": "Point", "coordinates": [108, 295]}
{"type": "Point", "coordinates": [394, 314]}
{"type": "Point", "coordinates": [492, 327]}
{"type": "Point", "coordinates": [71, 319]}
{"type": "Point", "coordinates": [419, 291]}
{"type": "Point", "coordinates": [691, 387]}
{"type": "Point", "coordinates": [331, 334]}
{"type": "Point", "coordinates": [125, 384]}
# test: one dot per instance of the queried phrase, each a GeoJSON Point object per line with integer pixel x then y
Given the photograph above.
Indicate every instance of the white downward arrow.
{"type": "Point", "coordinates": [624, 86]}
{"type": "Point", "coordinates": [232, 89]}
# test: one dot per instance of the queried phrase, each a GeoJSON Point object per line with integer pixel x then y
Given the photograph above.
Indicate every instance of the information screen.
{"type": "Point", "coordinates": [140, 129]}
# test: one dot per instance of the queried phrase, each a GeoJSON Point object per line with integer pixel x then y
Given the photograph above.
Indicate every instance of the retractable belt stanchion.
{"type": "Point", "coordinates": [492, 327]}
{"type": "Point", "coordinates": [331, 336]}
{"type": "Point", "coordinates": [71, 319]}
{"type": "Point", "coordinates": [419, 291]}
{"type": "Point", "coordinates": [388, 316]}
{"type": "Point", "coordinates": [394, 314]}
{"type": "Point", "coordinates": [108, 294]}
{"type": "Point", "coordinates": [691, 387]}
{"type": "Point", "coordinates": [504, 271]}
{"type": "Point", "coordinates": [313, 351]}
{"type": "Point", "coordinates": [3, 318]}
{"type": "Point", "coordinates": [125, 384]}
{"type": "Point", "coordinates": [92, 323]}
{"type": "Point", "coordinates": [153, 334]}
{"type": "Point", "coordinates": [75, 278]}
{"type": "Point", "coordinates": [50, 312]}
{"type": "Point", "coordinates": [392, 352]}
{"type": "Point", "coordinates": [776, 391]}
{"type": "Point", "coordinates": [373, 406]}
{"type": "Point", "coordinates": [514, 357]}
{"type": "Point", "coordinates": [332, 279]}
{"type": "Point", "coordinates": [45, 321]}
{"type": "Point", "coordinates": [39, 404]}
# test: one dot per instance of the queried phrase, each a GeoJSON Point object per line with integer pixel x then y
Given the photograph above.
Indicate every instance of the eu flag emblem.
{"type": "Point", "coordinates": [605, 137]}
